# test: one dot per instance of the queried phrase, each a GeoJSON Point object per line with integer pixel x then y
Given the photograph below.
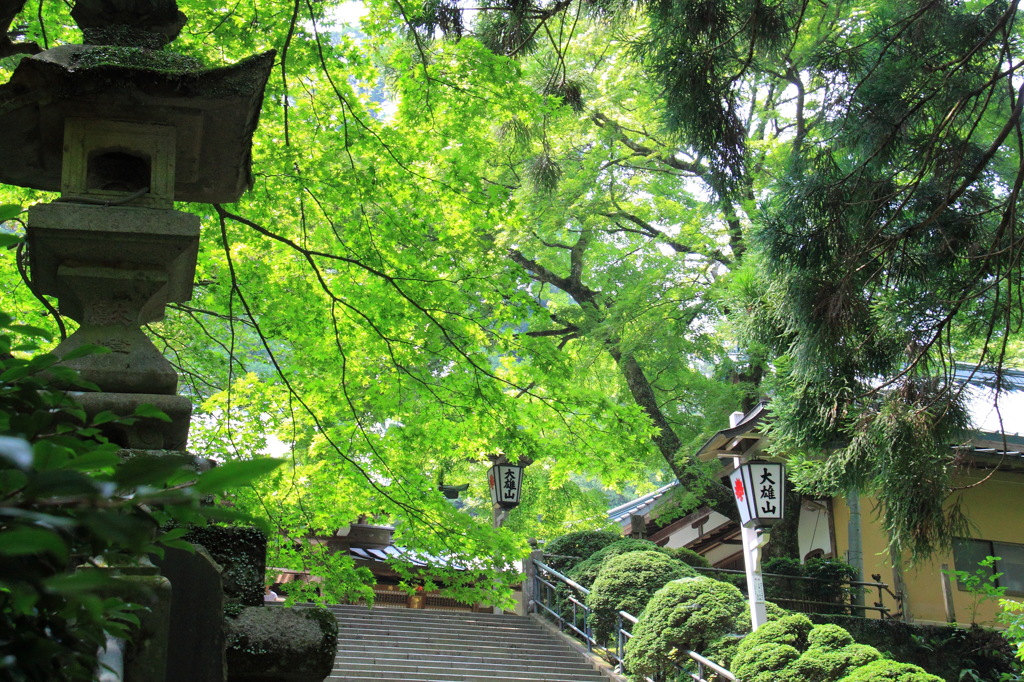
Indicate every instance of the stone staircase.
{"type": "Point", "coordinates": [444, 646]}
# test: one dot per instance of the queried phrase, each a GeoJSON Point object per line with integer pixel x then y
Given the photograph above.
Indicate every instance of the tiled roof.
{"type": "Point", "coordinates": [640, 505]}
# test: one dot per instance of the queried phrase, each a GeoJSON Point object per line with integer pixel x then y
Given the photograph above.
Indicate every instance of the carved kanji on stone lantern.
{"type": "Point", "coordinates": [122, 129]}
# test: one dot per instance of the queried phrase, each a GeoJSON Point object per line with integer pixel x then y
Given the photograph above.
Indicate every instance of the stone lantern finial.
{"type": "Point", "coordinates": [130, 23]}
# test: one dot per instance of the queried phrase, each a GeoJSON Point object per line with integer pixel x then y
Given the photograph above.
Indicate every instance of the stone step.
{"type": "Point", "coordinates": [505, 638]}
{"type": "Point", "coordinates": [525, 668]}
{"type": "Point", "coordinates": [403, 653]}
{"type": "Point", "coordinates": [432, 615]}
{"type": "Point", "coordinates": [419, 641]}
{"type": "Point", "coordinates": [399, 658]}
{"type": "Point", "coordinates": [414, 645]}
{"type": "Point", "coordinates": [500, 622]}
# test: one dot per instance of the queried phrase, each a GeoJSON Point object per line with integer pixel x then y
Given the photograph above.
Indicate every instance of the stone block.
{"type": "Point", "coordinates": [146, 433]}
{"type": "Point", "coordinates": [195, 648]}
{"type": "Point", "coordinates": [278, 644]}
{"type": "Point", "coordinates": [115, 248]}
{"type": "Point", "coordinates": [242, 552]}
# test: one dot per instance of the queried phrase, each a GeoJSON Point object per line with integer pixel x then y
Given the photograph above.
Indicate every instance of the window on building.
{"type": "Point", "coordinates": [967, 554]}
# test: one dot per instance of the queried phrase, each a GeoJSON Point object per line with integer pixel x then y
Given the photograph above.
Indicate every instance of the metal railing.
{"type": "Point", "coordinates": [847, 606]}
{"type": "Point", "coordinates": [547, 598]}
{"type": "Point", "coordinates": [555, 603]}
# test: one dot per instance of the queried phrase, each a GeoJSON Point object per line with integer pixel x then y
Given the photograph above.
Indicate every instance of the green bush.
{"type": "Point", "coordinates": [890, 671]}
{"type": "Point", "coordinates": [791, 649]}
{"type": "Point", "coordinates": [689, 613]}
{"type": "Point", "coordinates": [723, 649]}
{"type": "Point", "coordinates": [585, 572]}
{"type": "Point", "coordinates": [627, 582]}
{"type": "Point", "coordinates": [829, 637]}
{"type": "Point", "coordinates": [836, 590]}
{"type": "Point", "coordinates": [792, 630]}
{"type": "Point", "coordinates": [566, 551]}
{"type": "Point", "coordinates": [829, 665]}
{"type": "Point", "coordinates": [775, 612]}
{"type": "Point", "coordinates": [946, 651]}
{"type": "Point", "coordinates": [785, 584]}
{"type": "Point", "coordinates": [688, 557]}
{"type": "Point", "coordinates": [763, 662]}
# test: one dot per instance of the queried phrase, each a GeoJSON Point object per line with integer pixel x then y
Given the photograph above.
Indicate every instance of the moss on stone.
{"type": "Point", "coordinates": [136, 58]}
{"type": "Point", "coordinates": [280, 644]}
{"type": "Point", "coordinates": [241, 551]}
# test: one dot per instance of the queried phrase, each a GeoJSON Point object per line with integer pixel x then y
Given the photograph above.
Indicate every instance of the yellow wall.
{"type": "Point", "coordinates": [996, 510]}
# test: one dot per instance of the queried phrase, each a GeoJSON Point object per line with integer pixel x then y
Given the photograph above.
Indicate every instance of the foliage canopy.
{"type": "Point", "coordinates": [581, 232]}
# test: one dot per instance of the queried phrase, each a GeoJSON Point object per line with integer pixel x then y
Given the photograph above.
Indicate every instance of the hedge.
{"type": "Point", "coordinates": [627, 582]}
{"type": "Point", "coordinates": [890, 671]}
{"type": "Point", "coordinates": [566, 551]}
{"type": "Point", "coordinates": [946, 651]}
{"type": "Point", "coordinates": [793, 649]}
{"type": "Point", "coordinates": [586, 571]}
{"type": "Point", "coordinates": [689, 613]}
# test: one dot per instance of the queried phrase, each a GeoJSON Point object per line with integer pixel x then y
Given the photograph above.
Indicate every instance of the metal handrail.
{"type": "Point", "coordinates": [879, 606]}
{"type": "Point", "coordinates": [545, 588]}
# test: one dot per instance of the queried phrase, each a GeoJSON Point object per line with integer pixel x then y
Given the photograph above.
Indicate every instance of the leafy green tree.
{"type": "Point", "coordinates": [517, 229]}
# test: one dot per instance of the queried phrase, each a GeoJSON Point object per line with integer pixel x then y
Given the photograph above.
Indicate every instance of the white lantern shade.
{"type": "Point", "coordinates": [760, 492]}
{"type": "Point", "coordinates": [505, 481]}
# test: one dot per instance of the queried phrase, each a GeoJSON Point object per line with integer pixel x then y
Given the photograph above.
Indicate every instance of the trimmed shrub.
{"type": "Point", "coordinates": [737, 579]}
{"type": "Point", "coordinates": [890, 671]}
{"type": "Point", "coordinates": [829, 665]}
{"type": "Point", "coordinates": [627, 582]}
{"type": "Point", "coordinates": [832, 596]}
{"type": "Point", "coordinates": [762, 655]}
{"type": "Point", "coordinates": [945, 651]}
{"type": "Point", "coordinates": [763, 662]}
{"type": "Point", "coordinates": [585, 572]}
{"type": "Point", "coordinates": [828, 637]}
{"type": "Point", "coordinates": [277, 644]}
{"type": "Point", "coordinates": [568, 550]}
{"type": "Point", "coordinates": [723, 649]}
{"type": "Point", "coordinates": [792, 630]}
{"type": "Point", "coordinates": [835, 591]}
{"type": "Point", "coordinates": [775, 612]}
{"type": "Point", "coordinates": [624, 546]}
{"type": "Point", "coordinates": [688, 557]}
{"type": "Point", "coordinates": [689, 613]}
{"type": "Point", "coordinates": [823, 653]}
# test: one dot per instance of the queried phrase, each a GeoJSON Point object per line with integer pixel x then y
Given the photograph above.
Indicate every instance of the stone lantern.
{"type": "Point", "coordinates": [123, 129]}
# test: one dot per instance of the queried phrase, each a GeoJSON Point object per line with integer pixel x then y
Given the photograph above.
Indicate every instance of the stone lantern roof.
{"type": "Point", "coordinates": [213, 112]}
{"type": "Point", "coordinates": [127, 77]}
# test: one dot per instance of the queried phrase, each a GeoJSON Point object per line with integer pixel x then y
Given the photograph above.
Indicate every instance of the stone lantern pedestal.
{"type": "Point", "coordinates": [112, 270]}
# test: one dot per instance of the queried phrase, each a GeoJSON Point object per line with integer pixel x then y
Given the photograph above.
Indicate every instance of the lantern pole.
{"type": "Point", "coordinates": [754, 540]}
